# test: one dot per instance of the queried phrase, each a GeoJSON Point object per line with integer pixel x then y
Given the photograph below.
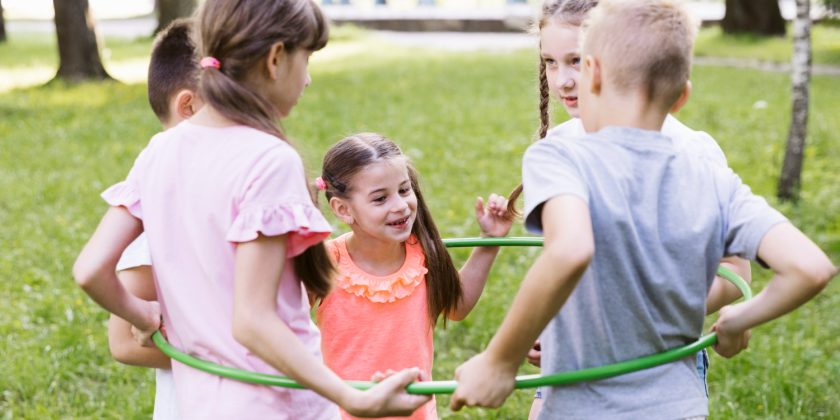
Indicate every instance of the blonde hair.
{"type": "Point", "coordinates": [653, 53]}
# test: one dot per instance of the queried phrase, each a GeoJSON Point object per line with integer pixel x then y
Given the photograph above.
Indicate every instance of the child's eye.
{"type": "Point", "coordinates": [575, 61]}
{"type": "Point", "coordinates": [405, 191]}
{"type": "Point", "coordinates": [380, 199]}
{"type": "Point", "coordinates": [549, 62]}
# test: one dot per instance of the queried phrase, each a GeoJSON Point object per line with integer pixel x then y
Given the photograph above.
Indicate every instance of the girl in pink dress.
{"type": "Point", "coordinates": [395, 276]}
{"type": "Point", "coordinates": [232, 229]}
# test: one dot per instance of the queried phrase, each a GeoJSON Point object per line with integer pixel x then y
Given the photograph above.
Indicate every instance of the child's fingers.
{"type": "Point", "coordinates": [479, 207]}
{"type": "Point", "coordinates": [457, 402]}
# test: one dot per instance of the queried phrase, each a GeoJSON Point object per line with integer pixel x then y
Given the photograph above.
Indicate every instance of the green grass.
{"type": "Point", "coordinates": [465, 119]}
{"type": "Point", "coordinates": [825, 44]}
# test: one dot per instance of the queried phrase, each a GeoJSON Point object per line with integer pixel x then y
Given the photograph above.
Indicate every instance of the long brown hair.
{"type": "Point", "coordinates": [239, 33]}
{"type": "Point", "coordinates": [352, 154]}
{"type": "Point", "coordinates": [567, 12]}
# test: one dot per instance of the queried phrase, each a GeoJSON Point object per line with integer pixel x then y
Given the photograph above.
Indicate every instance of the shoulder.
{"type": "Point", "coordinates": [571, 128]}
{"type": "Point", "coordinates": [697, 143]}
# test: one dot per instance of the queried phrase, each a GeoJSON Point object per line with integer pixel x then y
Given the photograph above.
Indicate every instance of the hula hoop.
{"type": "Point", "coordinates": [448, 387]}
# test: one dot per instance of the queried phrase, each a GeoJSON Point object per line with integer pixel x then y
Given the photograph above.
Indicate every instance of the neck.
{"type": "Point", "coordinates": [375, 256]}
{"type": "Point", "coordinates": [627, 110]}
{"type": "Point", "coordinates": [210, 117]}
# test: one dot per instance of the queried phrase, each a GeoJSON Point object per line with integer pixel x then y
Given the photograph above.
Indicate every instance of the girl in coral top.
{"type": "Point", "coordinates": [395, 276]}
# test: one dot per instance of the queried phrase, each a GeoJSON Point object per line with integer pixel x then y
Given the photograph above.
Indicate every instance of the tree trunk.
{"type": "Point", "coordinates": [789, 181]}
{"type": "Point", "coordinates": [78, 50]}
{"type": "Point", "coordinates": [761, 17]}
{"type": "Point", "coordinates": [2, 24]}
{"type": "Point", "coordinates": [169, 10]}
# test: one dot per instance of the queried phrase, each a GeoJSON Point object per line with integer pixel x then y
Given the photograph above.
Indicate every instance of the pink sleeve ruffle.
{"type": "Point", "coordinates": [304, 224]}
{"type": "Point", "coordinates": [124, 194]}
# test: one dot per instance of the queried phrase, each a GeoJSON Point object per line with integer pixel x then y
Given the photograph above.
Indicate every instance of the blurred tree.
{"type": "Point", "coordinates": [789, 181]}
{"type": "Point", "coordinates": [78, 50]}
{"type": "Point", "coordinates": [2, 24]}
{"type": "Point", "coordinates": [761, 17]}
{"type": "Point", "coordinates": [169, 10]}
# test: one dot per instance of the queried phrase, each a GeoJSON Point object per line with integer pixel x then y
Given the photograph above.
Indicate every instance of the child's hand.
{"type": "Point", "coordinates": [730, 341]}
{"type": "Point", "coordinates": [482, 383]}
{"type": "Point", "coordinates": [144, 336]}
{"type": "Point", "coordinates": [380, 376]}
{"type": "Point", "coordinates": [493, 219]}
{"type": "Point", "coordinates": [388, 398]}
{"type": "Point", "coordinates": [535, 354]}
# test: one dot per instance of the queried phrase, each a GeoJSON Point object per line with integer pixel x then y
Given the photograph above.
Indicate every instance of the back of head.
{"type": "Point", "coordinates": [239, 34]}
{"type": "Point", "coordinates": [173, 66]}
{"type": "Point", "coordinates": [352, 154]}
{"type": "Point", "coordinates": [643, 45]}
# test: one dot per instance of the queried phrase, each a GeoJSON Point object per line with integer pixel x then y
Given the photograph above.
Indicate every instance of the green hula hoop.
{"type": "Point", "coordinates": [448, 387]}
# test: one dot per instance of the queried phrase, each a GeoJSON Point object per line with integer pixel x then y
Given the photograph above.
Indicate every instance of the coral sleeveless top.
{"type": "Point", "coordinates": [374, 323]}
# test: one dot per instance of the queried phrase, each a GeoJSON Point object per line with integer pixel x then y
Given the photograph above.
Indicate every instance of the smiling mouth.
{"type": "Point", "coordinates": [398, 223]}
{"type": "Point", "coordinates": [570, 98]}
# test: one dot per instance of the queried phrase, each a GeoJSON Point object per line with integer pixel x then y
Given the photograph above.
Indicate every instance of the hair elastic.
{"type": "Point", "coordinates": [320, 184]}
{"type": "Point", "coordinates": [210, 62]}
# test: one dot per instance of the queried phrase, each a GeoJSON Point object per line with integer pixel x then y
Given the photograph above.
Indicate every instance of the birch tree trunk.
{"type": "Point", "coordinates": [789, 181]}
{"type": "Point", "coordinates": [78, 50]}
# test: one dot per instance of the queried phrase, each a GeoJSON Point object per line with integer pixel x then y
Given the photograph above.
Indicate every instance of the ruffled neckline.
{"type": "Point", "coordinates": [381, 289]}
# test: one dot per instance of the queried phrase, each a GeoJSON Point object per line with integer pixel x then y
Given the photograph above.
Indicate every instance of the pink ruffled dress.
{"type": "Point", "coordinates": [374, 323]}
{"type": "Point", "coordinates": [200, 190]}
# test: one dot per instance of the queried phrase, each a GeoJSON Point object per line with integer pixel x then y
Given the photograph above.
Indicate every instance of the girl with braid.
{"type": "Point", "coordinates": [559, 27]}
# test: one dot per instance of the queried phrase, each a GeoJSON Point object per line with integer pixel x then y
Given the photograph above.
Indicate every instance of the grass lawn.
{"type": "Point", "coordinates": [465, 119]}
{"type": "Point", "coordinates": [825, 44]}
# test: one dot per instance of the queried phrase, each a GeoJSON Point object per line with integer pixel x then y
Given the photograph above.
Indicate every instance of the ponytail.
{"type": "Point", "coordinates": [238, 35]}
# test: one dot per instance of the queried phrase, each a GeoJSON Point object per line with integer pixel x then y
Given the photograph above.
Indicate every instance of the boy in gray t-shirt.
{"type": "Point", "coordinates": [634, 229]}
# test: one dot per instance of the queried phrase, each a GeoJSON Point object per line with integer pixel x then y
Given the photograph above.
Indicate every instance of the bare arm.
{"type": "Point", "coordinates": [801, 271]}
{"type": "Point", "coordinates": [94, 271]}
{"type": "Point", "coordinates": [140, 282]}
{"type": "Point", "coordinates": [723, 292]}
{"type": "Point", "coordinates": [494, 222]}
{"type": "Point", "coordinates": [487, 379]}
{"type": "Point", "coordinates": [256, 325]}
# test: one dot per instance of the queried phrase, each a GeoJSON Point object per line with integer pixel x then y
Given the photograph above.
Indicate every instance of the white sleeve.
{"type": "Point", "coordinates": [136, 254]}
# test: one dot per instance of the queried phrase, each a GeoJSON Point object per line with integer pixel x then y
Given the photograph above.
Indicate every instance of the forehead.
{"type": "Point", "coordinates": [558, 38]}
{"type": "Point", "coordinates": [381, 174]}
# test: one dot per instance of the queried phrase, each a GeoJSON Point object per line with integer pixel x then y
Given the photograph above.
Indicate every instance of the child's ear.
{"type": "Point", "coordinates": [686, 92]}
{"type": "Point", "coordinates": [341, 209]}
{"type": "Point", "coordinates": [593, 64]}
{"type": "Point", "coordinates": [276, 55]}
{"type": "Point", "coordinates": [185, 104]}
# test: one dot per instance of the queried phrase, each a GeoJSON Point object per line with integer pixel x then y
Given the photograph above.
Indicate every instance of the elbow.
{"type": "Point", "coordinates": [573, 258]}
{"type": "Point", "coordinates": [85, 273]}
{"type": "Point", "coordinates": [243, 329]}
{"type": "Point", "coordinates": [120, 353]}
{"type": "Point", "coordinates": [823, 275]}
{"type": "Point", "coordinates": [817, 274]}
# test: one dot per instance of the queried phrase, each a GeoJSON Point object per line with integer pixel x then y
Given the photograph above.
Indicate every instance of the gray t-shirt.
{"type": "Point", "coordinates": [662, 219]}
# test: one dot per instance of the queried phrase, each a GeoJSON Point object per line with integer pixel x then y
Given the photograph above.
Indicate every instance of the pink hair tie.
{"type": "Point", "coordinates": [210, 62]}
{"type": "Point", "coordinates": [320, 184]}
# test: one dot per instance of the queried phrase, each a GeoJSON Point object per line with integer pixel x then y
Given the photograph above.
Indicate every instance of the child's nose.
{"type": "Point", "coordinates": [400, 205]}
